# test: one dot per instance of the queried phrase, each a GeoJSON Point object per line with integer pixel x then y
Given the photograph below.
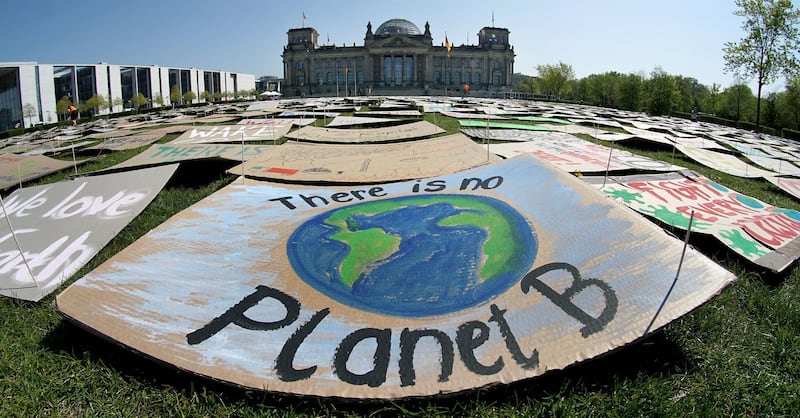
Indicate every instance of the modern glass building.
{"type": "Point", "coordinates": [30, 92]}
{"type": "Point", "coordinates": [397, 57]}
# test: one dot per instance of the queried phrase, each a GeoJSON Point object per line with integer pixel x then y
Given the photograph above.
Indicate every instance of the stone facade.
{"type": "Point", "coordinates": [397, 57]}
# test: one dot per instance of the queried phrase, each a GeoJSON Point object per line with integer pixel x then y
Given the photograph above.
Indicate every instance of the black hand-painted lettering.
{"type": "Point", "coordinates": [380, 361]}
{"type": "Point", "coordinates": [467, 343]}
{"type": "Point", "coordinates": [564, 301]}
{"type": "Point", "coordinates": [235, 315]}
{"type": "Point", "coordinates": [408, 344]}
{"type": "Point", "coordinates": [526, 362]}
{"type": "Point", "coordinates": [284, 363]}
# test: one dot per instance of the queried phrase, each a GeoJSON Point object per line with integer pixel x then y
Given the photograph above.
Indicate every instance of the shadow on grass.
{"type": "Point", "coordinates": [655, 356]}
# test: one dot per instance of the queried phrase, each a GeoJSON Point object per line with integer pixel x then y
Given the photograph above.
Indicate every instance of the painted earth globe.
{"type": "Point", "coordinates": [414, 256]}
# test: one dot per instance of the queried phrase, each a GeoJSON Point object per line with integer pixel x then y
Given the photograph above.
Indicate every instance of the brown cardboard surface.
{"type": "Point", "coordinates": [421, 288]}
{"type": "Point", "coordinates": [405, 131]}
{"type": "Point", "coordinates": [61, 226]}
{"type": "Point", "coordinates": [366, 163]}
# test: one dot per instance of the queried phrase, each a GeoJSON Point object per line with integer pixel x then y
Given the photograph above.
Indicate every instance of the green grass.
{"type": "Point", "coordinates": [737, 355]}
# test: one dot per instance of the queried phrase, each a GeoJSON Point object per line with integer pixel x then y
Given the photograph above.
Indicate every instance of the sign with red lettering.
{"type": "Point", "coordinates": [51, 231]}
{"type": "Point", "coordinates": [404, 289]}
{"type": "Point", "coordinates": [762, 233]}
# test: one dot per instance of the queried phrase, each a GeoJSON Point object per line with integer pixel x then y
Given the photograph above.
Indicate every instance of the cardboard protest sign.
{"type": "Point", "coordinates": [131, 141]}
{"type": "Point", "coordinates": [405, 131]}
{"type": "Point", "coordinates": [61, 226]}
{"type": "Point", "coordinates": [406, 289]}
{"type": "Point", "coordinates": [231, 133]}
{"type": "Point", "coordinates": [170, 153]}
{"type": "Point", "coordinates": [277, 122]}
{"type": "Point", "coordinates": [726, 163]}
{"type": "Point", "coordinates": [764, 234]}
{"type": "Point", "coordinates": [573, 154]}
{"type": "Point", "coordinates": [16, 169]}
{"type": "Point", "coordinates": [787, 184]}
{"type": "Point", "coordinates": [366, 163]}
{"type": "Point", "coordinates": [472, 123]}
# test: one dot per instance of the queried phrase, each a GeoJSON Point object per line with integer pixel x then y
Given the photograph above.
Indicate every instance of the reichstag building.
{"type": "Point", "coordinates": [397, 58]}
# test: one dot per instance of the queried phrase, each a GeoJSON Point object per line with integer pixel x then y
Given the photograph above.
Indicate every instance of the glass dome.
{"type": "Point", "coordinates": [398, 27]}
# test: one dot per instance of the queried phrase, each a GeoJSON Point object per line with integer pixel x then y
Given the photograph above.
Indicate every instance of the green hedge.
{"type": "Point", "coordinates": [790, 134]}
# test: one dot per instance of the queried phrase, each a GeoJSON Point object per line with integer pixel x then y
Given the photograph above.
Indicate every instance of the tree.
{"type": "Point", "coordinates": [662, 94]}
{"type": "Point", "coordinates": [793, 100]}
{"type": "Point", "coordinates": [175, 95]}
{"type": "Point", "coordinates": [62, 105]}
{"type": "Point", "coordinates": [138, 101]}
{"type": "Point", "coordinates": [770, 42]}
{"type": "Point", "coordinates": [207, 96]}
{"type": "Point", "coordinates": [737, 102]}
{"type": "Point", "coordinates": [95, 102]}
{"type": "Point", "coordinates": [29, 111]}
{"type": "Point", "coordinates": [159, 100]}
{"type": "Point", "coordinates": [553, 78]}
{"type": "Point", "coordinates": [117, 103]}
{"type": "Point", "coordinates": [189, 96]}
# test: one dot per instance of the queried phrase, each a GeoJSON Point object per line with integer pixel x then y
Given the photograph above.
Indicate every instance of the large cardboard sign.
{"type": "Point", "coordinates": [471, 123]}
{"type": "Point", "coordinates": [405, 131]}
{"type": "Point", "coordinates": [788, 185]}
{"type": "Point", "coordinates": [232, 133]}
{"type": "Point", "coordinates": [16, 169]}
{"type": "Point", "coordinates": [59, 227]}
{"type": "Point", "coordinates": [366, 163]}
{"type": "Point", "coordinates": [170, 153]}
{"type": "Point", "coordinates": [726, 163]}
{"type": "Point", "coordinates": [131, 141]}
{"type": "Point", "coordinates": [576, 155]}
{"type": "Point", "coordinates": [768, 236]}
{"type": "Point", "coordinates": [406, 289]}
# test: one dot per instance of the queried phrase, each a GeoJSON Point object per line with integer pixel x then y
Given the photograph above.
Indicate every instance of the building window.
{"type": "Point", "coordinates": [437, 77]}
{"type": "Point", "coordinates": [301, 65]}
{"type": "Point", "coordinates": [127, 81]}
{"type": "Point", "coordinates": [319, 78]}
{"type": "Point", "coordinates": [10, 106]}
{"type": "Point", "coordinates": [398, 69]}
{"type": "Point", "coordinates": [457, 77]}
{"type": "Point", "coordinates": [476, 77]}
{"type": "Point", "coordinates": [387, 69]}
{"type": "Point", "coordinates": [329, 77]}
{"type": "Point", "coordinates": [437, 62]}
{"type": "Point", "coordinates": [409, 69]}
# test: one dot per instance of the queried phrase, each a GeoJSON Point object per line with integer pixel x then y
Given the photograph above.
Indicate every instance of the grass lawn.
{"type": "Point", "coordinates": [738, 354]}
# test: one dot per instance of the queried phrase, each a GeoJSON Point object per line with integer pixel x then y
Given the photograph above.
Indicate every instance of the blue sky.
{"type": "Point", "coordinates": [683, 37]}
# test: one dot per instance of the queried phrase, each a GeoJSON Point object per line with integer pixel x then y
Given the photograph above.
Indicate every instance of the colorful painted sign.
{"type": "Point", "coordinates": [405, 289]}
{"type": "Point", "coordinates": [366, 163]}
{"type": "Point", "coordinates": [51, 231]}
{"type": "Point", "coordinates": [764, 234]}
{"type": "Point", "coordinates": [573, 154]}
{"type": "Point", "coordinates": [471, 123]}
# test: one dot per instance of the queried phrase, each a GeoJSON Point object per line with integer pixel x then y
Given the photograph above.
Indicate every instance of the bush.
{"type": "Point", "coordinates": [790, 134]}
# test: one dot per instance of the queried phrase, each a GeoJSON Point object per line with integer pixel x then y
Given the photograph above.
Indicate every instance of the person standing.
{"type": "Point", "coordinates": [73, 114]}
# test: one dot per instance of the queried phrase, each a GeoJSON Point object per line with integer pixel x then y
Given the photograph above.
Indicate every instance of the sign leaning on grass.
{"type": "Point", "coordinates": [51, 231]}
{"type": "Point", "coordinates": [406, 289]}
{"type": "Point", "coordinates": [768, 236]}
